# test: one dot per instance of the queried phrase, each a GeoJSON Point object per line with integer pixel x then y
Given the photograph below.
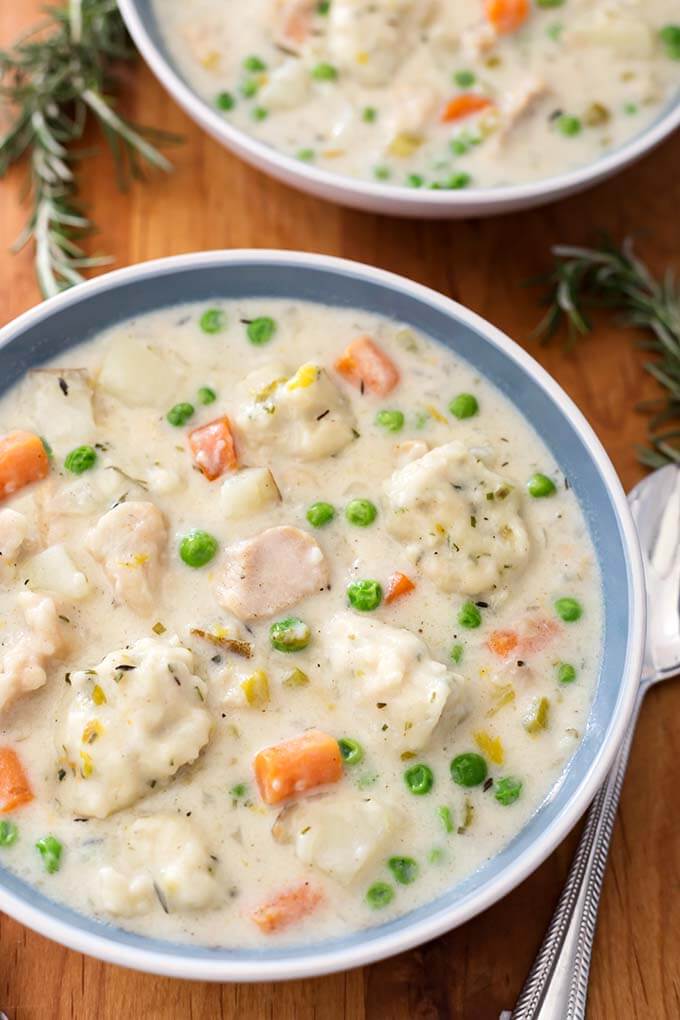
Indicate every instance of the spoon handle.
{"type": "Point", "coordinates": [557, 985]}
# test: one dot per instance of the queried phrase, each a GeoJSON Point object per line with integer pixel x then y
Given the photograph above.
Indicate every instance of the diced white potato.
{"type": "Point", "coordinates": [24, 664]}
{"type": "Point", "coordinates": [58, 404]}
{"type": "Point", "coordinates": [380, 665]}
{"type": "Point", "coordinates": [249, 491]}
{"type": "Point", "coordinates": [129, 541]}
{"type": "Point", "coordinates": [615, 28]}
{"type": "Point", "coordinates": [124, 895]}
{"type": "Point", "coordinates": [130, 723]}
{"type": "Point", "coordinates": [164, 865]}
{"type": "Point", "coordinates": [13, 534]}
{"type": "Point", "coordinates": [287, 87]}
{"type": "Point", "coordinates": [304, 415]}
{"type": "Point", "coordinates": [343, 833]}
{"type": "Point", "coordinates": [139, 374]}
{"type": "Point", "coordinates": [53, 571]}
{"type": "Point", "coordinates": [271, 572]}
{"type": "Point", "coordinates": [89, 493]}
{"type": "Point", "coordinates": [368, 41]}
{"type": "Point", "coordinates": [458, 520]}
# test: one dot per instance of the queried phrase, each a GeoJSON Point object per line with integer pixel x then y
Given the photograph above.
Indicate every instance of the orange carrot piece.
{"type": "Point", "coordinates": [15, 789]}
{"type": "Point", "coordinates": [23, 459]}
{"type": "Point", "coordinates": [507, 15]}
{"type": "Point", "coordinates": [397, 586]}
{"type": "Point", "coordinates": [464, 105]}
{"type": "Point", "coordinates": [539, 633]}
{"type": "Point", "coordinates": [286, 908]}
{"type": "Point", "coordinates": [213, 448]}
{"type": "Point", "coordinates": [297, 765]}
{"type": "Point", "coordinates": [364, 364]}
{"type": "Point", "coordinates": [502, 642]}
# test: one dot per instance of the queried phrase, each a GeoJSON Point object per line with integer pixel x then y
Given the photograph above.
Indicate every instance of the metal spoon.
{"type": "Point", "coordinates": [557, 985]}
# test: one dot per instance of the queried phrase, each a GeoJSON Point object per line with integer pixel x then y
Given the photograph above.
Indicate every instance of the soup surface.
{"type": "Point", "coordinates": [432, 93]}
{"type": "Point", "coordinates": [300, 623]}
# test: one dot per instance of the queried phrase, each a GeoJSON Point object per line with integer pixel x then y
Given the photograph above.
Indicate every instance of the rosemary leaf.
{"type": "Point", "coordinates": [57, 75]}
{"type": "Point", "coordinates": [615, 278]}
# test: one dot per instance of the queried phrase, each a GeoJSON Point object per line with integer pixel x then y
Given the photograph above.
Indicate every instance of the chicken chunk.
{"type": "Point", "coordinates": [341, 834]}
{"type": "Point", "coordinates": [292, 21]}
{"type": "Point", "coordinates": [368, 41]}
{"type": "Point", "coordinates": [392, 678]}
{"type": "Point", "coordinates": [519, 102]}
{"type": "Point", "coordinates": [304, 415]}
{"type": "Point", "coordinates": [271, 572]}
{"type": "Point", "coordinates": [128, 541]}
{"type": "Point", "coordinates": [13, 534]}
{"type": "Point", "coordinates": [130, 724]}
{"type": "Point", "coordinates": [166, 862]}
{"type": "Point", "coordinates": [459, 520]}
{"type": "Point", "coordinates": [24, 666]}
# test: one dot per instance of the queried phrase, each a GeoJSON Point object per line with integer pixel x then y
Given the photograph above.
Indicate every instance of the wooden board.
{"type": "Point", "coordinates": [214, 201]}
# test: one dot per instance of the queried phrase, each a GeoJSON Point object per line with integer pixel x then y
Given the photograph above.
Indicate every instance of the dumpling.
{"type": "Point", "coordinates": [460, 522]}
{"type": "Point", "coordinates": [392, 678]}
{"type": "Point", "coordinates": [131, 723]}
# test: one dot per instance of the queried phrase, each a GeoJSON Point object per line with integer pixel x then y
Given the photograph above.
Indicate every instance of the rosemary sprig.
{"type": "Point", "coordinates": [57, 76]}
{"type": "Point", "coordinates": [615, 278]}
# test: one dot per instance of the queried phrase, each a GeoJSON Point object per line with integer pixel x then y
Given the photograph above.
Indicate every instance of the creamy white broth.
{"type": "Point", "coordinates": [202, 812]}
{"type": "Point", "coordinates": [363, 91]}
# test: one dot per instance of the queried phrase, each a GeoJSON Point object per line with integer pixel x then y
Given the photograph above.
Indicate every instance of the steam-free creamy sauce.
{"type": "Point", "coordinates": [432, 93]}
{"type": "Point", "coordinates": [128, 708]}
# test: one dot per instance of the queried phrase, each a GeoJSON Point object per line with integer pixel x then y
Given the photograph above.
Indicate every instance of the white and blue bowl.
{"type": "Point", "coordinates": [81, 313]}
{"type": "Point", "coordinates": [373, 196]}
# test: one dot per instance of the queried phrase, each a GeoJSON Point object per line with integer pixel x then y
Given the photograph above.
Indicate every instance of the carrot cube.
{"type": "Point", "coordinates": [15, 789]}
{"type": "Point", "coordinates": [213, 448]}
{"type": "Point", "coordinates": [297, 765]}
{"type": "Point", "coordinates": [286, 908]}
{"type": "Point", "coordinates": [366, 366]}
{"type": "Point", "coordinates": [23, 459]}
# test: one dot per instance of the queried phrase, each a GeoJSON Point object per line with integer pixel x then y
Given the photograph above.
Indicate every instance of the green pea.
{"type": "Point", "coordinates": [238, 791]}
{"type": "Point", "coordinates": [568, 125]}
{"type": "Point", "coordinates": [457, 181]}
{"type": "Point", "coordinates": [404, 869]}
{"type": "Point", "coordinates": [249, 88]}
{"type": "Point", "coordinates": [319, 514]}
{"type": "Point", "coordinates": [436, 855]}
{"type": "Point", "coordinates": [415, 180]}
{"type": "Point", "coordinates": [507, 790]}
{"type": "Point", "coordinates": [81, 459]}
{"type": "Point", "coordinates": [324, 72]}
{"type": "Point", "coordinates": [323, 7]}
{"type": "Point", "coordinates": [446, 818]}
{"type": "Point", "coordinates": [289, 635]}
{"type": "Point", "coordinates": [459, 146]}
{"type": "Point", "coordinates": [225, 101]}
{"type": "Point", "coordinates": [554, 31]}
{"type": "Point", "coordinates": [369, 115]}
{"type": "Point", "coordinates": [351, 751]}
{"type": "Point", "coordinates": [457, 653]}
{"type": "Point", "coordinates": [465, 78]}
{"type": "Point", "coordinates": [180, 414]}
{"type": "Point", "coordinates": [540, 486]}
{"type": "Point", "coordinates": [364, 595]}
{"type": "Point", "coordinates": [379, 895]}
{"type": "Point", "coordinates": [213, 320]}
{"type": "Point", "coordinates": [253, 63]}
{"type": "Point", "coordinates": [305, 155]}
{"type": "Point", "coordinates": [197, 548]}
{"type": "Point", "coordinates": [569, 609]}
{"type": "Point", "coordinates": [419, 779]}
{"type": "Point", "coordinates": [50, 849]}
{"type": "Point", "coordinates": [261, 330]}
{"type": "Point", "coordinates": [630, 109]}
{"type": "Point", "coordinates": [361, 512]}
{"type": "Point", "coordinates": [469, 769]}
{"type": "Point", "coordinates": [670, 37]}
{"type": "Point", "coordinates": [259, 113]}
{"type": "Point", "coordinates": [206, 395]}
{"type": "Point", "coordinates": [9, 833]}
{"type": "Point", "coordinates": [382, 173]}
{"type": "Point", "coordinates": [469, 616]}
{"type": "Point", "coordinates": [465, 405]}
{"type": "Point", "coordinates": [566, 674]}
{"type": "Point", "coordinates": [393, 421]}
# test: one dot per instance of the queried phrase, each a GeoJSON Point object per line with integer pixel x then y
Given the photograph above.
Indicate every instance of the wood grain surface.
{"type": "Point", "coordinates": [214, 201]}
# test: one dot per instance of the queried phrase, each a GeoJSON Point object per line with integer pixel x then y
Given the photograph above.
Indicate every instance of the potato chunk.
{"type": "Point", "coordinates": [271, 572]}
{"type": "Point", "coordinates": [25, 662]}
{"type": "Point", "coordinates": [166, 863]}
{"type": "Point", "coordinates": [54, 571]}
{"type": "Point", "coordinates": [131, 723]}
{"type": "Point", "coordinates": [248, 491]}
{"type": "Point", "coordinates": [392, 679]}
{"type": "Point", "coordinates": [58, 403]}
{"type": "Point", "coordinates": [139, 374]}
{"type": "Point", "coordinates": [129, 541]}
{"type": "Point", "coordinates": [304, 415]}
{"type": "Point", "coordinates": [459, 521]}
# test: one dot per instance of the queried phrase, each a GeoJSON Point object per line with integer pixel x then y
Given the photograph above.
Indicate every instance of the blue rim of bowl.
{"type": "Point", "coordinates": [39, 334]}
{"type": "Point", "coordinates": [142, 26]}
